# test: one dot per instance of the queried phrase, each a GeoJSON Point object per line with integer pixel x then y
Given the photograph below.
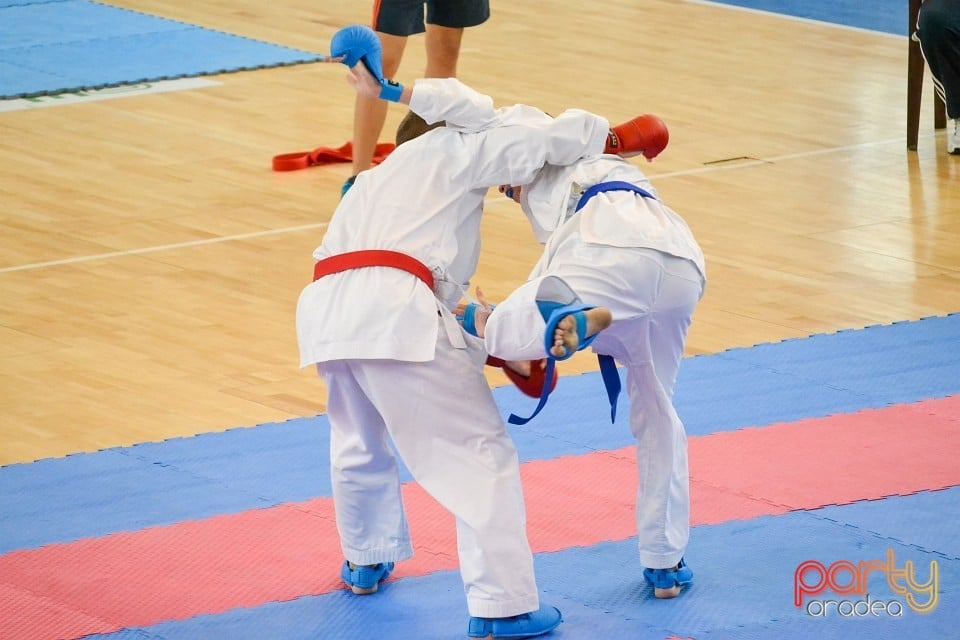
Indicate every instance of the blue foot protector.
{"type": "Point", "coordinates": [364, 580]}
{"type": "Point", "coordinates": [553, 313]}
{"type": "Point", "coordinates": [667, 583]}
{"type": "Point", "coordinates": [559, 313]}
{"type": "Point", "coordinates": [527, 625]}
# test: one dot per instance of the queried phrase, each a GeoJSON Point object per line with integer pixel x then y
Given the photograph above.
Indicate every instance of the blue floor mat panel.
{"type": "Point", "coordinates": [887, 16]}
{"type": "Point", "coordinates": [65, 46]}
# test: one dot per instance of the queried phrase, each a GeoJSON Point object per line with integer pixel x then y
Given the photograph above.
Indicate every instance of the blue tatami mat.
{"type": "Point", "coordinates": [68, 45]}
{"type": "Point", "coordinates": [743, 587]}
{"type": "Point", "coordinates": [888, 16]}
{"type": "Point", "coordinates": [82, 495]}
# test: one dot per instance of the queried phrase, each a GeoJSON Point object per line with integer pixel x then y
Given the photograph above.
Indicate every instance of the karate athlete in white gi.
{"type": "Point", "coordinates": [611, 243]}
{"type": "Point", "coordinates": [398, 366]}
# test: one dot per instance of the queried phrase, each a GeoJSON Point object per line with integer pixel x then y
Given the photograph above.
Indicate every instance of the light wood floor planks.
{"type": "Point", "coordinates": [150, 260]}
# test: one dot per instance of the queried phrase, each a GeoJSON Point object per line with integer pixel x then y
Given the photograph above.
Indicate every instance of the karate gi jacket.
{"type": "Point", "coordinates": [425, 200]}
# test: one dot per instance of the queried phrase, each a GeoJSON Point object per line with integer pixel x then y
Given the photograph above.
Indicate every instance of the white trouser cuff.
{"type": "Point", "coordinates": [376, 556]}
{"type": "Point", "coordinates": [659, 560]}
{"type": "Point", "coordinates": [483, 608]}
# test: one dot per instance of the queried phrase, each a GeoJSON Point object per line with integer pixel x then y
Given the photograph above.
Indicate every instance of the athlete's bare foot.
{"type": "Point", "coordinates": [565, 338]}
{"type": "Point", "coordinates": [522, 367]}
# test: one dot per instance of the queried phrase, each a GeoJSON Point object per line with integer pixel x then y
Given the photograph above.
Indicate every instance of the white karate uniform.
{"type": "Point", "coordinates": [639, 258]}
{"type": "Point", "coordinates": [396, 363]}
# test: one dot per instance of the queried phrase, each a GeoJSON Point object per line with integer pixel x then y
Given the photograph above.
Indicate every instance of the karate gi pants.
{"type": "Point", "coordinates": [445, 425]}
{"type": "Point", "coordinates": [652, 297]}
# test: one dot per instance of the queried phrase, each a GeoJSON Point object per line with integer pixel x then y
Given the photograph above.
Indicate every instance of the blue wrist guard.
{"type": "Point", "coordinates": [390, 90]}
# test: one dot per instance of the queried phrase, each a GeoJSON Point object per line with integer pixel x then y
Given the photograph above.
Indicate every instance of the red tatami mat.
{"type": "Point", "coordinates": [209, 566]}
{"type": "Point", "coordinates": [814, 462]}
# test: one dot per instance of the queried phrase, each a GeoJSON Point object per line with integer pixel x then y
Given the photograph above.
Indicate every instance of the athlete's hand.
{"type": "Point", "coordinates": [473, 315]}
{"type": "Point", "coordinates": [363, 82]}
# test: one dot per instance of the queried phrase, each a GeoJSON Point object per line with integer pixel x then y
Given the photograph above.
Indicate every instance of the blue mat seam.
{"type": "Point", "coordinates": [815, 513]}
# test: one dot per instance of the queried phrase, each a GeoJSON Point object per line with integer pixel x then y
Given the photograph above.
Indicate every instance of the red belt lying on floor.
{"type": "Point", "coordinates": [373, 258]}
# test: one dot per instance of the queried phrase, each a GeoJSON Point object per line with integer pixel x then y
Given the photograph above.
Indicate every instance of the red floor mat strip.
{"type": "Point", "coordinates": [142, 577]}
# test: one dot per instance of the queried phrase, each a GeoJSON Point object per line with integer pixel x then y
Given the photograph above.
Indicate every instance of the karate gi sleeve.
{"type": "Point", "coordinates": [513, 143]}
{"type": "Point", "coordinates": [513, 153]}
{"type": "Point", "coordinates": [448, 99]}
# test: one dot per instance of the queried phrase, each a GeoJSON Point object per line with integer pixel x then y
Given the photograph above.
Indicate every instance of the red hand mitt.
{"type": "Point", "coordinates": [531, 385]}
{"type": "Point", "coordinates": [646, 134]}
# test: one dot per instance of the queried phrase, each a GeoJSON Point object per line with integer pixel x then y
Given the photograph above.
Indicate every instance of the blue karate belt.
{"type": "Point", "coordinates": [608, 367]}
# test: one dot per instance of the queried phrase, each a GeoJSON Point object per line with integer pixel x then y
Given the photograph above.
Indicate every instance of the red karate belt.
{"type": "Point", "coordinates": [373, 258]}
{"type": "Point", "coordinates": [327, 155]}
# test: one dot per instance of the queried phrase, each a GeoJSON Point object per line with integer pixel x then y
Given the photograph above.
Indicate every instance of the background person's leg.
{"type": "Point", "coordinates": [369, 115]}
{"type": "Point", "coordinates": [938, 29]}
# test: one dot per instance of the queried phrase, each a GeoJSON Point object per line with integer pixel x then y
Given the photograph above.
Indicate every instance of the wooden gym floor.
{"type": "Point", "coordinates": [150, 260]}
